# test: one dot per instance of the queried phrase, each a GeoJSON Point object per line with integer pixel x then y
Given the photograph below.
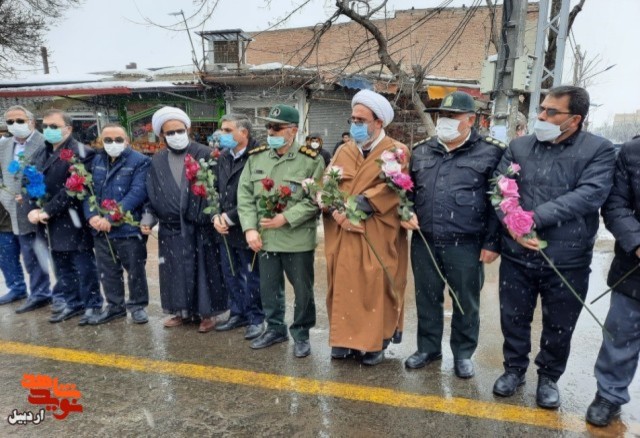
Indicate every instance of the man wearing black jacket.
{"type": "Point", "coordinates": [243, 284]}
{"type": "Point", "coordinates": [566, 175]}
{"type": "Point", "coordinates": [618, 358]}
{"type": "Point", "coordinates": [69, 237]}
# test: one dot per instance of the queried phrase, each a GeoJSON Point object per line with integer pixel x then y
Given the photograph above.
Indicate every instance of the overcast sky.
{"type": "Point", "coordinates": [107, 35]}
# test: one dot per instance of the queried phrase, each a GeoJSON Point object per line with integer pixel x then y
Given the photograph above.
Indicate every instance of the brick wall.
{"type": "Point", "coordinates": [419, 46]}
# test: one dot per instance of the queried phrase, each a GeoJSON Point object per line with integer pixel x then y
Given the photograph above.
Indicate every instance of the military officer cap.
{"type": "Point", "coordinates": [456, 102]}
{"type": "Point", "coordinates": [283, 114]}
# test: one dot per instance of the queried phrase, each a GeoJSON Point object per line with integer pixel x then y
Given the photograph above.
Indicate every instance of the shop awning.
{"type": "Point", "coordinates": [440, 91]}
{"type": "Point", "coordinates": [93, 89]}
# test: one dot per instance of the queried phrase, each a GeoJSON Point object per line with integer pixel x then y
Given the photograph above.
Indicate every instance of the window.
{"type": "Point", "coordinates": [225, 52]}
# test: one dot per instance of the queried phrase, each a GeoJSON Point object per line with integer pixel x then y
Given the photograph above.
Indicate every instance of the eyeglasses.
{"type": "Point", "coordinates": [358, 122]}
{"type": "Point", "coordinates": [551, 111]}
{"type": "Point", "coordinates": [174, 132]}
{"type": "Point", "coordinates": [276, 127]}
{"type": "Point", "coordinates": [18, 121]}
{"type": "Point", "coordinates": [109, 140]}
{"type": "Point", "coordinates": [51, 126]}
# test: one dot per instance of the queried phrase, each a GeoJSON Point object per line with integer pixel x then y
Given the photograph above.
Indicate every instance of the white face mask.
{"type": "Point", "coordinates": [20, 130]}
{"type": "Point", "coordinates": [315, 145]}
{"type": "Point", "coordinates": [447, 129]}
{"type": "Point", "coordinates": [114, 149]}
{"type": "Point", "coordinates": [178, 141]}
{"type": "Point", "coordinates": [547, 131]}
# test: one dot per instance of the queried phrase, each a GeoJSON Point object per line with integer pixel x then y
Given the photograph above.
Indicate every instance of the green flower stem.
{"type": "Point", "coordinates": [564, 280]}
{"type": "Point", "coordinates": [226, 245]}
{"type": "Point", "coordinates": [94, 205]}
{"type": "Point", "coordinates": [435, 264]}
{"type": "Point", "coordinates": [624, 277]}
{"type": "Point", "coordinates": [384, 268]}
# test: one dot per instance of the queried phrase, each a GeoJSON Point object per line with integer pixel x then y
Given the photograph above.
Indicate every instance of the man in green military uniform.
{"type": "Point", "coordinates": [286, 242]}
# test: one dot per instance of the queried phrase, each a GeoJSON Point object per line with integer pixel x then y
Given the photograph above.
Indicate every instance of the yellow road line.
{"type": "Point", "coordinates": [389, 397]}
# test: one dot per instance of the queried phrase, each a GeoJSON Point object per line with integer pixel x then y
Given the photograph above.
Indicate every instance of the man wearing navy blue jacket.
{"type": "Point", "coordinates": [119, 175]}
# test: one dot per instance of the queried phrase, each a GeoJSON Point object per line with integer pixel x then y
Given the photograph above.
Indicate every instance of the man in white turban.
{"type": "Point", "coordinates": [365, 309]}
{"type": "Point", "coordinates": [191, 286]}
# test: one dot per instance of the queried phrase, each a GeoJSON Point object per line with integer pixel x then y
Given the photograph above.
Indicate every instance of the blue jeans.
{"type": "Point", "coordinates": [77, 277]}
{"type": "Point", "coordinates": [244, 287]}
{"type": "Point", "coordinates": [36, 262]}
{"type": "Point", "coordinates": [10, 264]}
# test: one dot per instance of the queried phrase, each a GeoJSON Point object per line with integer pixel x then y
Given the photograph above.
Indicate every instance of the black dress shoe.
{"type": "Point", "coordinates": [464, 368]}
{"type": "Point", "coordinates": [419, 360]}
{"type": "Point", "coordinates": [89, 314]}
{"type": "Point", "coordinates": [253, 331]}
{"type": "Point", "coordinates": [10, 298]}
{"type": "Point", "coordinates": [139, 316]}
{"type": "Point", "coordinates": [507, 384]}
{"type": "Point", "coordinates": [233, 322]}
{"type": "Point", "coordinates": [32, 305]}
{"type": "Point", "coordinates": [109, 314]}
{"type": "Point", "coordinates": [372, 358]}
{"type": "Point", "coordinates": [58, 307]}
{"type": "Point", "coordinates": [267, 339]}
{"type": "Point", "coordinates": [341, 353]}
{"type": "Point", "coordinates": [302, 348]}
{"type": "Point", "coordinates": [67, 313]}
{"type": "Point", "coordinates": [547, 394]}
{"type": "Point", "coordinates": [601, 411]}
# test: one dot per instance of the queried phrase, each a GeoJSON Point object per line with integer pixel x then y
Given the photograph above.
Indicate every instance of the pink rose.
{"type": "Point", "coordinates": [507, 205]}
{"type": "Point", "coordinates": [403, 181]}
{"type": "Point", "coordinates": [391, 168]}
{"type": "Point", "coordinates": [508, 187]}
{"type": "Point", "coordinates": [400, 155]}
{"type": "Point", "coordinates": [515, 168]}
{"type": "Point", "coordinates": [519, 221]}
{"type": "Point", "coordinates": [388, 157]}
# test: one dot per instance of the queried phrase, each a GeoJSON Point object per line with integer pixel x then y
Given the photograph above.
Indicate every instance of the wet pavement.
{"type": "Point", "coordinates": [149, 381]}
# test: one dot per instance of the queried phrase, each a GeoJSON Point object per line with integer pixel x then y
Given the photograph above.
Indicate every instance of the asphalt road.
{"type": "Point", "coordinates": [151, 381]}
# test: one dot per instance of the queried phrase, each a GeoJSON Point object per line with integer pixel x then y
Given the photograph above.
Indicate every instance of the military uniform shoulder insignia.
{"type": "Point", "coordinates": [257, 150]}
{"type": "Point", "coordinates": [308, 152]}
{"type": "Point", "coordinates": [415, 145]}
{"type": "Point", "coordinates": [495, 142]}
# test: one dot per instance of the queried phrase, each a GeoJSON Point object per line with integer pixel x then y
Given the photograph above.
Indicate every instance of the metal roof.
{"type": "Point", "coordinates": [224, 35]}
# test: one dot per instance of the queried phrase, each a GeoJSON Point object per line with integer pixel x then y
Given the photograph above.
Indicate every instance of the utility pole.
{"type": "Point", "coordinates": [45, 59]}
{"type": "Point", "coordinates": [505, 111]}
{"type": "Point", "coordinates": [558, 25]}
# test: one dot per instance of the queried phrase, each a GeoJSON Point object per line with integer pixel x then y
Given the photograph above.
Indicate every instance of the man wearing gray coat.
{"type": "Point", "coordinates": [26, 140]}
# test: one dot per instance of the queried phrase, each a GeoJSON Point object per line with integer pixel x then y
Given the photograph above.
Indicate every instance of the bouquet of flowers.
{"type": "Point", "coordinates": [505, 197]}
{"type": "Point", "coordinates": [116, 215]}
{"type": "Point", "coordinates": [202, 179]}
{"type": "Point", "coordinates": [392, 162]}
{"type": "Point", "coordinates": [35, 187]}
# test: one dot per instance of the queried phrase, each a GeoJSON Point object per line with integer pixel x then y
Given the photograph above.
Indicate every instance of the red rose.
{"type": "Point", "coordinates": [109, 204]}
{"type": "Point", "coordinates": [267, 183]}
{"type": "Point", "coordinates": [191, 167]}
{"type": "Point", "coordinates": [215, 154]}
{"type": "Point", "coordinates": [285, 192]}
{"type": "Point", "coordinates": [66, 154]}
{"type": "Point", "coordinates": [75, 183]}
{"type": "Point", "coordinates": [199, 189]}
{"type": "Point", "coordinates": [279, 208]}
{"type": "Point", "coordinates": [117, 217]}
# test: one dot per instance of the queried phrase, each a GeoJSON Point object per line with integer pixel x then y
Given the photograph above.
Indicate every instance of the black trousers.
{"type": "Point", "coordinates": [131, 256]}
{"type": "Point", "coordinates": [519, 290]}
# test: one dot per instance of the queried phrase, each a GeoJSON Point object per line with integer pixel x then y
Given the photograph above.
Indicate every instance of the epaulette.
{"type": "Point", "coordinates": [495, 142]}
{"type": "Point", "coordinates": [308, 152]}
{"type": "Point", "coordinates": [258, 149]}
{"type": "Point", "coordinates": [415, 145]}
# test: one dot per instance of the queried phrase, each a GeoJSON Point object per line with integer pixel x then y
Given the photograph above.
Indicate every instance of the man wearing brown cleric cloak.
{"type": "Point", "coordinates": [365, 310]}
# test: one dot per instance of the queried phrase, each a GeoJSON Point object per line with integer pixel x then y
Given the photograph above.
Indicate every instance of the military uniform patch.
{"type": "Point", "coordinates": [495, 142]}
{"type": "Point", "coordinates": [308, 152]}
{"type": "Point", "coordinates": [415, 145]}
{"type": "Point", "coordinates": [258, 149]}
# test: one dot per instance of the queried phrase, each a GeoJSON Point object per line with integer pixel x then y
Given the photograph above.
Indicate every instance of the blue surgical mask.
{"type": "Point", "coordinates": [359, 132]}
{"type": "Point", "coordinates": [53, 136]}
{"type": "Point", "coordinates": [227, 141]}
{"type": "Point", "coordinates": [275, 142]}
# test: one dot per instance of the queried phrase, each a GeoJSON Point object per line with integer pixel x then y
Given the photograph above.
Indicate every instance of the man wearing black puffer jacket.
{"type": "Point", "coordinates": [618, 358]}
{"type": "Point", "coordinates": [566, 175]}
